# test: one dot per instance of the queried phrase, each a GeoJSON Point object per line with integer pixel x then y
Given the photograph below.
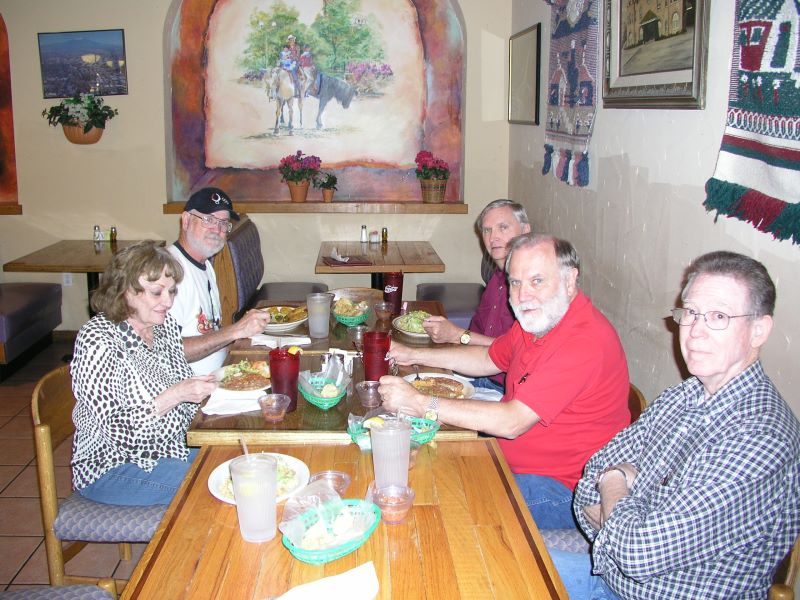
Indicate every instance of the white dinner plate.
{"type": "Point", "coordinates": [283, 327]}
{"type": "Point", "coordinates": [220, 476]}
{"type": "Point", "coordinates": [219, 375]}
{"type": "Point", "coordinates": [419, 336]}
{"type": "Point", "coordinates": [469, 389]}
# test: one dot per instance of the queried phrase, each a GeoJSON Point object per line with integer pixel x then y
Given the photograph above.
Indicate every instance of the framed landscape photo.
{"type": "Point", "coordinates": [89, 62]}
{"type": "Point", "coordinates": [654, 53]}
{"type": "Point", "coordinates": [524, 50]}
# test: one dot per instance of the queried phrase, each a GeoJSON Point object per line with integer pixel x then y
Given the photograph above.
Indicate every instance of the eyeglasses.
{"type": "Point", "coordinates": [714, 319]}
{"type": "Point", "coordinates": [210, 222]}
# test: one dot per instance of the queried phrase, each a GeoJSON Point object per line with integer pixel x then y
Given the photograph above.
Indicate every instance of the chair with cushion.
{"type": "Point", "coordinates": [785, 578]}
{"type": "Point", "coordinates": [104, 590]}
{"type": "Point", "coordinates": [239, 268]}
{"type": "Point", "coordinates": [29, 312]}
{"type": "Point", "coordinates": [636, 402]}
{"type": "Point", "coordinates": [77, 521]}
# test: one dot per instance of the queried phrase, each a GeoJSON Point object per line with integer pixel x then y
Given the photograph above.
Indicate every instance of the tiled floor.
{"type": "Point", "coordinates": [22, 557]}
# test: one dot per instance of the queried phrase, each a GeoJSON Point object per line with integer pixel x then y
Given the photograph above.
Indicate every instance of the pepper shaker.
{"type": "Point", "coordinates": [113, 235]}
{"type": "Point", "coordinates": [384, 236]}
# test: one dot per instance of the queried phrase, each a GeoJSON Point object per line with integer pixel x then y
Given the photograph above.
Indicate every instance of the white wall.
{"type": "Point", "coordinates": [65, 189]}
{"type": "Point", "coordinates": [641, 220]}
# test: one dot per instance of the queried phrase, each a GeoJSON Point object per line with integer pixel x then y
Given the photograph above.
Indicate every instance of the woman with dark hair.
{"type": "Point", "coordinates": [135, 392]}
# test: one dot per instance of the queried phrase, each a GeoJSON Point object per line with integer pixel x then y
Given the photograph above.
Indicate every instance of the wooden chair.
{"type": "Point", "coordinates": [783, 584]}
{"type": "Point", "coordinates": [68, 528]}
{"type": "Point", "coordinates": [636, 402]}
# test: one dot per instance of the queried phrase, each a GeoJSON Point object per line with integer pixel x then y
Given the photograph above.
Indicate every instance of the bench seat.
{"type": "Point", "coordinates": [29, 312]}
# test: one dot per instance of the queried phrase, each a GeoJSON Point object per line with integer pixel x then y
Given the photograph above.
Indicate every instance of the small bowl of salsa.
{"type": "Point", "coordinates": [394, 501]}
{"type": "Point", "coordinates": [273, 406]}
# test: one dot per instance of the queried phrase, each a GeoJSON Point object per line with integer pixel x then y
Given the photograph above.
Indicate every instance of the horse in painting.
{"type": "Point", "coordinates": [331, 88]}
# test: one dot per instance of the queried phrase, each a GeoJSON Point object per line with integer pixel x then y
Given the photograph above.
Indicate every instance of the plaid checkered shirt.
{"type": "Point", "coordinates": [716, 502]}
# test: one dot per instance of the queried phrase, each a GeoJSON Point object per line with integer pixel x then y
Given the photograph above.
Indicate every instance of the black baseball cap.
{"type": "Point", "coordinates": [209, 200]}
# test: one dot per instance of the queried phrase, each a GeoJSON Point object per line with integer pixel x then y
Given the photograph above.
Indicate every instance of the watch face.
{"type": "Point", "coordinates": [465, 337]}
{"type": "Point", "coordinates": [431, 415]}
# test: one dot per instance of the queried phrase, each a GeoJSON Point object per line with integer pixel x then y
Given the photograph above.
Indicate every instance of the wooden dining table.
{"type": "Point", "coordinates": [399, 257]}
{"type": "Point", "coordinates": [70, 256]}
{"type": "Point", "coordinates": [468, 535]}
{"type": "Point", "coordinates": [307, 423]}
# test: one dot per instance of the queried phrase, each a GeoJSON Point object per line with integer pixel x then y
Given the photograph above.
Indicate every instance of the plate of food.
{"type": "Point", "coordinates": [441, 385]}
{"type": "Point", "coordinates": [244, 376]}
{"type": "Point", "coordinates": [410, 324]}
{"type": "Point", "coordinates": [285, 318]}
{"type": "Point", "coordinates": [293, 475]}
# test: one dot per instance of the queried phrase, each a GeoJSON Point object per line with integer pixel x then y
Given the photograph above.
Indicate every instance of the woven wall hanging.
{"type": "Point", "coordinates": [757, 178]}
{"type": "Point", "coordinates": [571, 89]}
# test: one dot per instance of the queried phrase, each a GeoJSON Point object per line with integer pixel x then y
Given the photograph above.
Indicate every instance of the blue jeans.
{"type": "Point", "coordinates": [575, 570]}
{"type": "Point", "coordinates": [128, 485]}
{"type": "Point", "coordinates": [489, 384]}
{"type": "Point", "coordinates": [549, 501]}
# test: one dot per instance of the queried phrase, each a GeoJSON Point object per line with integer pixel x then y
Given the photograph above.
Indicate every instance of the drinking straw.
{"type": "Point", "coordinates": [244, 447]}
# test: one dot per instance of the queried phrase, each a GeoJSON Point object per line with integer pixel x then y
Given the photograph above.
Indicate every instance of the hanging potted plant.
{"type": "Point", "coordinates": [433, 174]}
{"type": "Point", "coordinates": [298, 171]}
{"type": "Point", "coordinates": [82, 117]}
{"type": "Point", "coordinates": [327, 183]}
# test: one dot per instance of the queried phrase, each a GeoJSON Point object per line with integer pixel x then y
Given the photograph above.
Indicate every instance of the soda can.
{"type": "Point", "coordinates": [393, 290]}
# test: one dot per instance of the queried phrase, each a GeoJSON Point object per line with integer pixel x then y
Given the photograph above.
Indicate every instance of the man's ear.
{"type": "Point", "coordinates": [572, 282]}
{"type": "Point", "coordinates": [760, 330]}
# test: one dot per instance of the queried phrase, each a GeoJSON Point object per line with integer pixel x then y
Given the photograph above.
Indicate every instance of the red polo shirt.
{"type": "Point", "coordinates": [576, 379]}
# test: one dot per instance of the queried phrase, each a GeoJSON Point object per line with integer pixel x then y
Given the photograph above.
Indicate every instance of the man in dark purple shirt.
{"type": "Point", "coordinates": [499, 222]}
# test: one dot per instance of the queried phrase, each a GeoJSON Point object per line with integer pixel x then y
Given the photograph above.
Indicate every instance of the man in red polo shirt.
{"type": "Point", "coordinates": [566, 379]}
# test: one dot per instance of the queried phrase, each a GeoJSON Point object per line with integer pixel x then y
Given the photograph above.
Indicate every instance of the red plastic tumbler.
{"type": "Point", "coordinates": [393, 290]}
{"type": "Point", "coordinates": [284, 370]}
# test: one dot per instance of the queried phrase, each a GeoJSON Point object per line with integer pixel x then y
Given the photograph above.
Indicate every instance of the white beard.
{"type": "Point", "coordinates": [548, 316]}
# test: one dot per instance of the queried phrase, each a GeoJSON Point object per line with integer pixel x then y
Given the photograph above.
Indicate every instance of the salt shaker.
{"type": "Point", "coordinates": [363, 233]}
{"type": "Point", "coordinates": [97, 235]}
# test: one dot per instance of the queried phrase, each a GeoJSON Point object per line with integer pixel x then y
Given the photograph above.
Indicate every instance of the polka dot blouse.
{"type": "Point", "coordinates": [115, 377]}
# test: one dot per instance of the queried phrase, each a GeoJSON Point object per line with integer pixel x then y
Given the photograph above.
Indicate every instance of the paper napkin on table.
{"type": "Point", "coordinates": [360, 583]}
{"type": "Point", "coordinates": [276, 341]}
{"type": "Point", "coordinates": [336, 256]}
{"type": "Point", "coordinates": [226, 402]}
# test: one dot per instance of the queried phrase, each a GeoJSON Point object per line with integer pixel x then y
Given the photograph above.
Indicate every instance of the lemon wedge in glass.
{"type": "Point", "coordinates": [294, 350]}
{"type": "Point", "coordinates": [373, 422]}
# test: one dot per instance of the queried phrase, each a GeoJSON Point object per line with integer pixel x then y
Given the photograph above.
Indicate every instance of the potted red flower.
{"type": "Point", "coordinates": [298, 171]}
{"type": "Point", "coordinates": [433, 174]}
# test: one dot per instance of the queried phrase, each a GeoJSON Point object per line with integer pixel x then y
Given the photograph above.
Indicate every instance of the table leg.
{"type": "Point", "coordinates": [377, 281]}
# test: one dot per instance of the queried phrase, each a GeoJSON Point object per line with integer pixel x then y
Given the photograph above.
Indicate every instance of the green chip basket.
{"type": "Point", "coordinates": [422, 432]}
{"type": "Point", "coordinates": [324, 403]}
{"type": "Point", "coordinates": [320, 557]}
{"type": "Point", "coordinates": [352, 321]}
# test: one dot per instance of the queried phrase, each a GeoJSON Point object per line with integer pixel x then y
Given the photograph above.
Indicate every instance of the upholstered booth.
{"type": "Point", "coordinates": [29, 312]}
{"type": "Point", "coordinates": [460, 299]}
{"type": "Point", "coordinates": [239, 268]}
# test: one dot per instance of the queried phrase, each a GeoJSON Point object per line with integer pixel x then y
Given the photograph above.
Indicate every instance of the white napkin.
{"type": "Point", "coordinates": [226, 402]}
{"type": "Point", "coordinates": [275, 341]}
{"type": "Point", "coordinates": [486, 394]}
{"type": "Point", "coordinates": [360, 583]}
{"type": "Point", "coordinates": [336, 256]}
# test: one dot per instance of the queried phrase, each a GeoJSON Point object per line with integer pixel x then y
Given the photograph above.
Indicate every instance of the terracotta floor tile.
{"type": "Point", "coordinates": [35, 570]}
{"type": "Point", "coordinates": [26, 485]}
{"type": "Point", "coordinates": [8, 473]}
{"type": "Point", "coordinates": [126, 567]}
{"type": "Point", "coordinates": [16, 452]}
{"type": "Point", "coordinates": [11, 405]}
{"type": "Point", "coordinates": [5, 419]}
{"type": "Point", "coordinates": [96, 560]}
{"type": "Point", "coordinates": [63, 454]}
{"type": "Point", "coordinates": [20, 516]}
{"type": "Point", "coordinates": [19, 427]}
{"type": "Point", "coordinates": [15, 551]}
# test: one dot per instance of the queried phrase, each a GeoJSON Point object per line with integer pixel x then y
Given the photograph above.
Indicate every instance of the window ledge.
{"type": "Point", "coordinates": [400, 208]}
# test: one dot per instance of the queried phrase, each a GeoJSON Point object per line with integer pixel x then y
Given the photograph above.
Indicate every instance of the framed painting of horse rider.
{"type": "Point", "coordinates": [363, 84]}
{"type": "Point", "coordinates": [654, 53]}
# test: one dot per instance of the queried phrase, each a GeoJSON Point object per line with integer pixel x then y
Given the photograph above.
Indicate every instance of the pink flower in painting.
{"type": "Point", "coordinates": [430, 167]}
{"type": "Point", "coordinates": [298, 167]}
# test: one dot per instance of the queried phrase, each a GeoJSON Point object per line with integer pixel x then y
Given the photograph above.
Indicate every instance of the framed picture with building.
{"type": "Point", "coordinates": [654, 53]}
{"type": "Point", "coordinates": [524, 50]}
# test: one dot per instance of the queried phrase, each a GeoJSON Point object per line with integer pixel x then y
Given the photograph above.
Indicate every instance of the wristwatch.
{"type": "Point", "coordinates": [465, 337]}
{"type": "Point", "coordinates": [432, 412]}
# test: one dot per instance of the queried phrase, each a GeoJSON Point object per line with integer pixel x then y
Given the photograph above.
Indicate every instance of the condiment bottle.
{"type": "Point", "coordinates": [113, 234]}
{"type": "Point", "coordinates": [363, 233]}
{"type": "Point", "coordinates": [384, 236]}
{"type": "Point", "coordinates": [97, 235]}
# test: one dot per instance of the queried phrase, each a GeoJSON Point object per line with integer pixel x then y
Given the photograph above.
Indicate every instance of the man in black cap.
{"type": "Point", "coordinates": [205, 224]}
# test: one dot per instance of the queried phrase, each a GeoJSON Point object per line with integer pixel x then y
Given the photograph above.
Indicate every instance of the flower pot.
{"type": "Point", "coordinates": [433, 190]}
{"type": "Point", "coordinates": [298, 190]}
{"type": "Point", "coordinates": [75, 134]}
{"type": "Point", "coordinates": [327, 194]}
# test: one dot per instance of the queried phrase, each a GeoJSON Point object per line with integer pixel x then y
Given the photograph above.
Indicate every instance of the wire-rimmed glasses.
{"type": "Point", "coordinates": [715, 319]}
{"type": "Point", "coordinates": [210, 222]}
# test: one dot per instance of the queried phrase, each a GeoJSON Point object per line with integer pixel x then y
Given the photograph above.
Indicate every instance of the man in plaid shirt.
{"type": "Point", "coordinates": [699, 498]}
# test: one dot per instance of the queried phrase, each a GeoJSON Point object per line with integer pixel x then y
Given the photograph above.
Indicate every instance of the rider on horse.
{"type": "Point", "coordinates": [289, 60]}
